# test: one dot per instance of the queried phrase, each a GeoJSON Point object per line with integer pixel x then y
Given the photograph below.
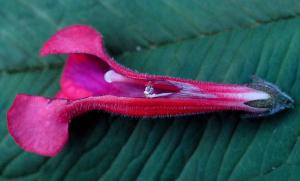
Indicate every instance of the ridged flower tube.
{"type": "Point", "coordinates": [92, 80]}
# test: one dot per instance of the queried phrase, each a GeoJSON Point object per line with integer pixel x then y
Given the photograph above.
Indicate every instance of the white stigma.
{"type": "Point", "coordinates": [112, 76]}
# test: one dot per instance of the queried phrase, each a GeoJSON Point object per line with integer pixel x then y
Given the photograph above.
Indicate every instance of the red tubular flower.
{"type": "Point", "coordinates": [92, 80]}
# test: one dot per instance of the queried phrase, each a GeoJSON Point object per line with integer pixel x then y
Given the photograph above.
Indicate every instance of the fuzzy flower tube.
{"type": "Point", "coordinates": [92, 80]}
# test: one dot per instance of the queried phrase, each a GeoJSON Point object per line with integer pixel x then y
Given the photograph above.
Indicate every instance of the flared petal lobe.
{"type": "Point", "coordinates": [75, 39]}
{"type": "Point", "coordinates": [38, 125]}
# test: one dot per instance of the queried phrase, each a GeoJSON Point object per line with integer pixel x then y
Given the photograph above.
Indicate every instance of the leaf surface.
{"type": "Point", "coordinates": [221, 41]}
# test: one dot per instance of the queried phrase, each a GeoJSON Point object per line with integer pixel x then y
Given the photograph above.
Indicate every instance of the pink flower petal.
{"type": "Point", "coordinates": [82, 77]}
{"type": "Point", "coordinates": [92, 80]}
{"type": "Point", "coordinates": [75, 39]}
{"type": "Point", "coordinates": [38, 125]}
{"type": "Point", "coordinates": [81, 39]}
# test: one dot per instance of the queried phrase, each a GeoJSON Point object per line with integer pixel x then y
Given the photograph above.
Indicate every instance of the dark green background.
{"type": "Point", "coordinates": [217, 40]}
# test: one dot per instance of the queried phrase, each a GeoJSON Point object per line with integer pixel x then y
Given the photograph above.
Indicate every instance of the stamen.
{"type": "Point", "coordinates": [149, 92]}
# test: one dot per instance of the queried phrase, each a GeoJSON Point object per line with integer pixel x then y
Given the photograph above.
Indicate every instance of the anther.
{"type": "Point", "coordinates": [149, 91]}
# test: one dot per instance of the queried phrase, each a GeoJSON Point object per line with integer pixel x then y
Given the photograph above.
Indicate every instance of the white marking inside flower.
{"type": "Point", "coordinates": [112, 76]}
{"type": "Point", "coordinates": [249, 96]}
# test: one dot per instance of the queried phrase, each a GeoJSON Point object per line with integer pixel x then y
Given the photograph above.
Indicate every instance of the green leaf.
{"type": "Point", "coordinates": [221, 41]}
